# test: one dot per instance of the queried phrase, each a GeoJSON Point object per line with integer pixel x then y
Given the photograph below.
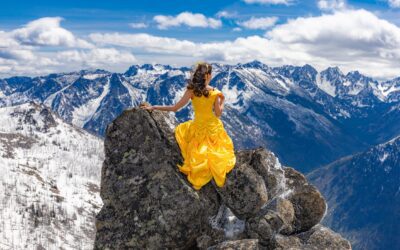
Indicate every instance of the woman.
{"type": "Point", "coordinates": [206, 148]}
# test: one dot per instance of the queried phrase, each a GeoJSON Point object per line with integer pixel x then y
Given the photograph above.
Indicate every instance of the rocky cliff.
{"type": "Point", "coordinates": [149, 204]}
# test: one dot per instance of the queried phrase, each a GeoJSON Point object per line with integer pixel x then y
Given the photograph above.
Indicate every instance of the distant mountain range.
{"type": "Point", "coordinates": [363, 196]}
{"type": "Point", "coordinates": [49, 182]}
{"type": "Point", "coordinates": [308, 118]}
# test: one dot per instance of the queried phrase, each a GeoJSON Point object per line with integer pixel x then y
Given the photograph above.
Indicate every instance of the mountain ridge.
{"type": "Point", "coordinates": [283, 105]}
{"type": "Point", "coordinates": [362, 191]}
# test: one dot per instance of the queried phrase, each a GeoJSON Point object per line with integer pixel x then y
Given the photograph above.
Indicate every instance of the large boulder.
{"type": "Point", "coordinates": [149, 204]}
{"type": "Point", "coordinates": [319, 237]}
{"type": "Point", "coordinates": [308, 203]}
{"type": "Point", "coordinates": [244, 191]}
{"type": "Point", "coordinates": [276, 217]}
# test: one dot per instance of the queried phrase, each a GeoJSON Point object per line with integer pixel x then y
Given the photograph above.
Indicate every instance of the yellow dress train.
{"type": "Point", "coordinates": [206, 147]}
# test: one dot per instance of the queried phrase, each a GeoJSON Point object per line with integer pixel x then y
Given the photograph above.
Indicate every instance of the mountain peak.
{"type": "Point", "coordinates": [255, 64]}
{"type": "Point", "coordinates": [308, 67]}
{"type": "Point", "coordinates": [332, 72]}
{"type": "Point", "coordinates": [93, 71]}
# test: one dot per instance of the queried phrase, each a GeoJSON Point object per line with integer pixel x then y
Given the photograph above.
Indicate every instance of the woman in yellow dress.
{"type": "Point", "coordinates": [206, 148]}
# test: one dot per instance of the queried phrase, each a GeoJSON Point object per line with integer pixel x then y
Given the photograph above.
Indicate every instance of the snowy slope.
{"type": "Point", "coordinates": [49, 186]}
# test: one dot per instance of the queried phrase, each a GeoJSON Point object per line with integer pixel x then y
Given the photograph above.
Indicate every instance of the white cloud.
{"type": "Point", "coordinates": [6, 41]}
{"type": "Point", "coordinates": [188, 19]}
{"type": "Point", "coordinates": [237, 29]}
{"type": "Point", "coordinates": [39, 63]}
{"type": "Point", "coordinates": [332, 4]}
{"type": "Point", "coordinates": [17, 54]}
{"type": "Point", "coordinates": [355, 39]}
{"type": "Point", "coordinates": [24, 51]}
{"type": "Point", "coordinates": [47, 32]}
{"type": "Point", "coordinates": [226, 14]}
{"type": "Point", "coordinates": [286, 2]}
{"type": "Point", "coordinates": [259, 23]}
{"type": "Point", "coordinates": [350, 39]}
{"type": "Point", "coordinates": [144, 41]}
{"type": "Point", "coordinates": [356, 29]}
{"type": "Point", "coordinates": [97, 57]}
{"type": "Point", "coordinates": [138, 25]}
{"type": "Point", "coordinates": [372, 46]}
{"type": "Point", "coordinates": [25, 62]}
{"type": "Point", "coordinates": [394, 3]}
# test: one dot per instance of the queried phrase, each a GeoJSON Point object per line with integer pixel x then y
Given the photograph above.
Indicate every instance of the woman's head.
{"type": "Point", "coordinates": [201, 76]}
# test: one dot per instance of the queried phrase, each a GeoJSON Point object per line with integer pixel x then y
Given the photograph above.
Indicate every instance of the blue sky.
{"type": "Point", "coordinates": [96, 16]}
{"type": "Point", "coordinates": [39, 37]}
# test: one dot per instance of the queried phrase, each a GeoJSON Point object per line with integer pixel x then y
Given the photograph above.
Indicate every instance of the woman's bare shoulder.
{"type": "Point", "coordinates": [190, 92]}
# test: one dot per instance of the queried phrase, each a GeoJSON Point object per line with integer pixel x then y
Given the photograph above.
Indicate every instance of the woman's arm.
{"type": "Point", "coordinates": [219, 104]}
{"type": "Point", "coordinates": [177, 106]}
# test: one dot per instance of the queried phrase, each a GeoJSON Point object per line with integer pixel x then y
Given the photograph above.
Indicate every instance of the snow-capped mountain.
{"type": "Point", "coordinates": [308, 118]}
{"type": "Point", "coordinates": [391, 90]}
{"type": "Point", "coordinates": [363, 195]}
{"type": "Point", "coordinates": [50, 179]}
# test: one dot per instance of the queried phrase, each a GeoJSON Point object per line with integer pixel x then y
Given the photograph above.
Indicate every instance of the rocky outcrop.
{"type": "Point", "coordinates": [149, 204]}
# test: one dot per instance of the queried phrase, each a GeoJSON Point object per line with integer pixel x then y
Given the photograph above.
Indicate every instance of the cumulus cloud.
{"type": "Point", "coordinates": [367, 31]}
{"type": "Point", "coordinates": [47, 32]}
{"type": "Point", "coordinates": [25, 62]}
{"type": "Point", "coordinates": [394, 3]}
{"type": "Point", "coordinates": [372, 46]}
{"type": "Point", "coordinates": [350, 39]}
{"type": "Point", "coordinates": [6, 41]}
{"type": "Point", "coordinates": [188, 19]}
{"type": "Point", "coordinates": [286, 2]}
{"type": "Point", "coordinates": [96, 57]}
{"type": "Point", "coordinates": [138, 25]}
{"type": "Point", "coordinates": [24, 51]}
{"type": "Point", "coordinates": [258, 23]}
{"type": "Point", "coordinates": [332, 4]}
{"type": "Point", "coordinates": [17, 54]}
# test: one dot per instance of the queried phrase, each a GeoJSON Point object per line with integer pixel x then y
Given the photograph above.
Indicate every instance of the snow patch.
{"type": "Point", "coordinates": [84, 113]}
{"type": "Point", "coordinates": [93, 76]}
{"type": "Point", "coordinates": [325, 85]}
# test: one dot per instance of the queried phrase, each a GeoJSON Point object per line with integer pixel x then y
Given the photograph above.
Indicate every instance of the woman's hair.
{"type": "Point", "coordinates": [197, 81]}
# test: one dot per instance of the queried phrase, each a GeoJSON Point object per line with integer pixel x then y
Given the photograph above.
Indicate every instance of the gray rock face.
{"type": "Point", "coordinates": [149, 204]}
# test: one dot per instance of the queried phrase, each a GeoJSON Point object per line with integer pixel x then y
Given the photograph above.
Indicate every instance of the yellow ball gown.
{"type": "Point", "coordinates": [206, 147]}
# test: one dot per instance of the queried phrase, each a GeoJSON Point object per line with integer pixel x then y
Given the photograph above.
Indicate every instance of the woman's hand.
{"type": "Point", "coordinates": [221, 97]}
{"type": "Point", "coordinates": [219, 104]}
{"type": "Point", "coordinates": [147, 107]}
